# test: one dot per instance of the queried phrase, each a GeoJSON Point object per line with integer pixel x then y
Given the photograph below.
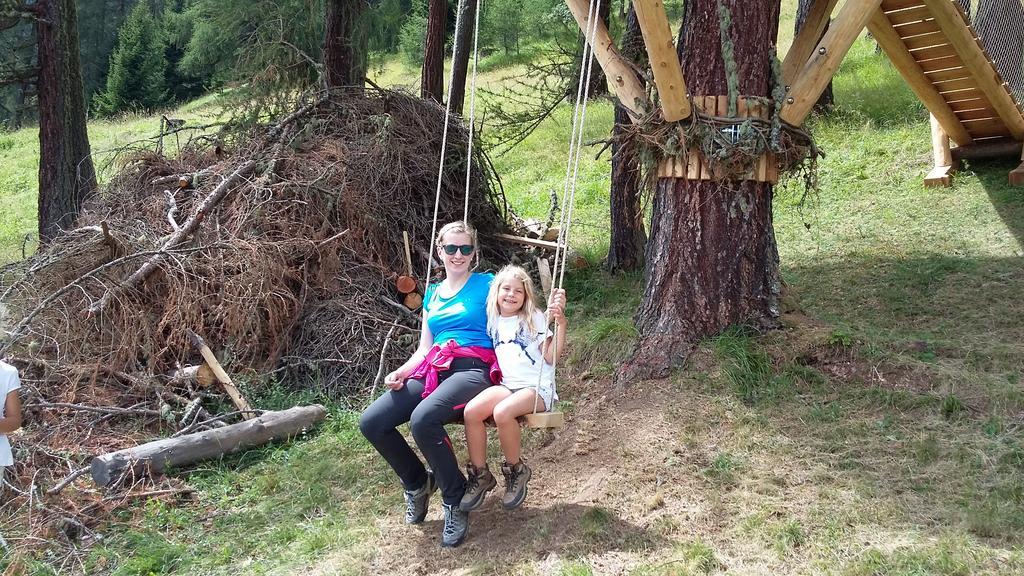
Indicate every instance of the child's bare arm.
{"type": "Point", "coordinates": [12, 413]}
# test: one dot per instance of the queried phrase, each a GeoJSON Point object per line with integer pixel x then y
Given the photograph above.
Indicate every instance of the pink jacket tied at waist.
{"type": "Point", "coordinates": [440, 357]}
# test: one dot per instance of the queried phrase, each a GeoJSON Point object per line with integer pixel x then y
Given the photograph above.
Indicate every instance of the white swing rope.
{"type": "Point", "coordinates": [472, 103]}
{"type": "Point", "coordinates": [571, 173]}
{"type": "Point", "coordinates": [444, 143]}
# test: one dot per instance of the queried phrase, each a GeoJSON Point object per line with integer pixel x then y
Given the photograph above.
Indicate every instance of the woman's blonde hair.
{"type": "Point", "coordinates": [459, 227]}
{"type": "Point", "coordinates": [529, 308]}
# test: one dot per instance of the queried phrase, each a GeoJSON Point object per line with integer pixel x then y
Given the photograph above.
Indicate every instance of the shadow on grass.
{"type": "Point", "coordinates": [500, 540]}
{"type": "Point", "coordinates": [972, 305]}
{"type": "Point", "coordinates": [1008, 201]}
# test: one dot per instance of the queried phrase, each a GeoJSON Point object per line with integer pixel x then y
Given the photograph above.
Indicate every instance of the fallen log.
{"type": "Point", "coordinates": [157, 456]}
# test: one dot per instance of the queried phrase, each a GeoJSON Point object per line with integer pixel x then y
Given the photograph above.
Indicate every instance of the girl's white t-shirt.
{"type": "Point", "coordinates": [519, 355]}
{"type": "Point", "coordinates": [9, 382]}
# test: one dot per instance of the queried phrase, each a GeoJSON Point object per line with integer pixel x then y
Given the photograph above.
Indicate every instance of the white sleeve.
{"type": "Point", "coordinates": [540, 324]}
{"type": "Point", "coordinates": [9, 381]}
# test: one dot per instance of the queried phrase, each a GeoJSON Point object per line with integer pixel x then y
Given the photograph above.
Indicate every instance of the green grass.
{"type": "Point", "coordinates": [265, 510]}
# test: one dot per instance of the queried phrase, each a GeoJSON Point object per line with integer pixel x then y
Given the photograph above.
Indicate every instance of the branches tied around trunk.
{"type": "Point", "coordinates": [731, 146]}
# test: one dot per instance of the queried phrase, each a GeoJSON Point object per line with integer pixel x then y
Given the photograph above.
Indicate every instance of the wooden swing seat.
{"type": "Point", "coordinates": [554, 419]}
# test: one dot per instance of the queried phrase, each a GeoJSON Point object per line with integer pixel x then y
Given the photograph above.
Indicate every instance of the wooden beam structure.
{"type": "Point", "coordinates": [818, 71]}
{"type": "Point", "coordinates": [668, 74]}
{"type": "Point", "coordinates": [889, 40]}
{"type": "Point", "coordinates": [621, 77]}
{"type": "Point", "coordinates": [805, 42]}
{"type": "Point", "coordinates": [961, 38]}
{"type": "Point", "coordinates": [1001, 148]}
{"type": "Point", "coordinates": [942, 172]}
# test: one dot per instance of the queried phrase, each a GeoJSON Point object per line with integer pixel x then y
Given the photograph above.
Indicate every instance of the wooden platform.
{"type": "Point", "coordinates": [956, 66]}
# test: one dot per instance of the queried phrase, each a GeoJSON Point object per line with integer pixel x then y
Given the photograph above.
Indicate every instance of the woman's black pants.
{"type": "Point", "coordinates": [427, 417]}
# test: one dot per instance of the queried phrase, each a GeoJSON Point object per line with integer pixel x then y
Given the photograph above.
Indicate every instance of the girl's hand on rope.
{"type": "Point", "coordinates": [556, 306]}
{"type": "Point", "coordinates": [395, 380]}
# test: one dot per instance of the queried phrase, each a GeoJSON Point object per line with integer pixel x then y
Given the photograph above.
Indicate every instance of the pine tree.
{"type": "Point", "coordinates": [136, 79]}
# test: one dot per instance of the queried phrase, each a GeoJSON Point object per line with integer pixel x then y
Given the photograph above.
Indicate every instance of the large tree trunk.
{"type": "Point", "coordinates": [826, 100]}
{"type": "Point", "coordinates": [711, 259]}
{"type": "Point", "coordinates": [626, 250]}
{"type": "Point", "coordinates": [432, 76]}
{"type": "Point", "coordinates": [463, 49]}
{"type": "Point", "coordinates": [66, 174]}
{"type": "Point", "coordinates": [344, 44]}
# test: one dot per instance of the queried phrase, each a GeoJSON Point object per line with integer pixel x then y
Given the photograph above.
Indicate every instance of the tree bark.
{"type": "Point", "coordinates": [432, 75]}
{"type": "Point", "coordinates": [827, 99]}
{"type": "Point", "coordinates": [711, 258]}
{"type": "Point", "coordinates": [463, 50]}
{"type": "Point", "coordinates": [66, 174]}
{"type": "Point", "coordinates": [626, 248]}
{"type": "Point", "coordinates": [344, 44]}
{"type": "Point", "coordinates": [157, 456]}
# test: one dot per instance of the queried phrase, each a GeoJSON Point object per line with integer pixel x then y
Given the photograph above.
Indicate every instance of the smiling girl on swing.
{"type": "Point", "coordinates": [527, 351]}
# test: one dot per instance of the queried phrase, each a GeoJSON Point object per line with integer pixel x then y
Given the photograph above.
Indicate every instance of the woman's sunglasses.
{"type": "Point", "coordinates": [451, 249]}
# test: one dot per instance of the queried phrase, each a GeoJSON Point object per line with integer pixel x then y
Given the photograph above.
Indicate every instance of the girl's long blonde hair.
{"type": "Point", "coordinates": [529, 308]}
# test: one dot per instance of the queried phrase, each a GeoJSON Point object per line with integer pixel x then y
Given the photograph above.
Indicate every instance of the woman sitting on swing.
{"type": "Point", "coordinates": [454, 362]}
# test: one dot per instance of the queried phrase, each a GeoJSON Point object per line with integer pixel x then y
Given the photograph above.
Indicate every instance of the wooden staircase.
{"type": "Point", "coordinates": [940, 56]}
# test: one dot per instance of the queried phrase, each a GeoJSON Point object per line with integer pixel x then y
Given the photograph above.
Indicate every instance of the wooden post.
{"type": "Point", "coordinates": [544, 271]}
{"type": "Point", "coordinates": [941, 174]}
{"type": "Point", "coordinates": [668, 74]}
{"type": "Point", "coordinates": [889, 40]}
{"type": "Point", "coordinates": [621, 77]}
{"type": "Point", "coordinates": [236, 397]}
{"type": "Point", "coordinates": [1017, 174]}
{"type": "Point", "coordinates": [814, 76]}
{"type": "Point", "coordinates": [805, 42]}
{"type": "Point", "coordinates": [961, 38]}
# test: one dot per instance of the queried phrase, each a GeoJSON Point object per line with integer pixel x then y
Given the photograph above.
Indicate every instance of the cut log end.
{"type": "Point", "coordinates": [406, 284]}
{"type": "Point", "coordinates": [413, 301]}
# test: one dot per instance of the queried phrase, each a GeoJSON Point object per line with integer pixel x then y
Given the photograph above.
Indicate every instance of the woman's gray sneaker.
{"type": "Point", "coordinates": [516, 478]}
{"type": "Point", "coordinates": [479, 481]}
{"type": "Point", "coordinates": [416, 500]}
{"type": "Point", "coordinates": [456, 525]}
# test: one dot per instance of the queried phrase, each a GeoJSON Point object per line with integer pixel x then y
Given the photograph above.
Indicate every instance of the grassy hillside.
{"type": "Point", "coordinates": [878, 433]}
{"type": "Point", "coordinates": [110, 140]}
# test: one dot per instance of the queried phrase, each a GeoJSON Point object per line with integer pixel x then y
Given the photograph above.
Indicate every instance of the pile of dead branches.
{"type": "Point", "coordinates": [281, 250]}
{"type": "Point", "coordinates": [279, 244]}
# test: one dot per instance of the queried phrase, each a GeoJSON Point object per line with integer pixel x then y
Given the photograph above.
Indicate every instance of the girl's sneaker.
{"type": "Point", "coordinates": [516, 478]}
{"type": "Point", "coordinates": [479, 481]}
